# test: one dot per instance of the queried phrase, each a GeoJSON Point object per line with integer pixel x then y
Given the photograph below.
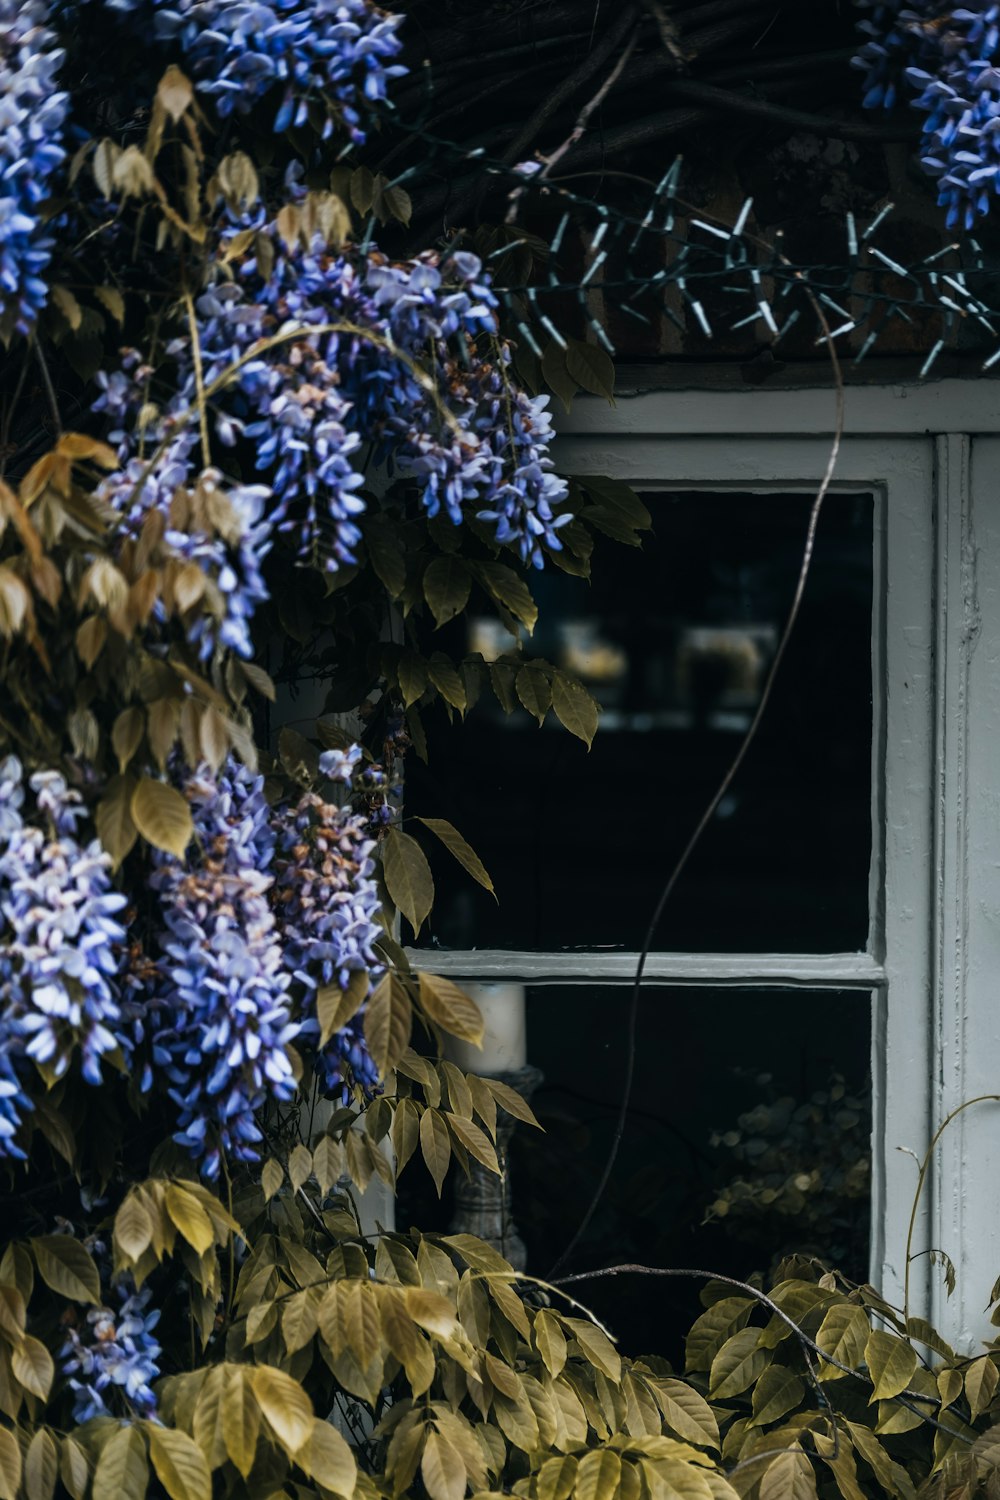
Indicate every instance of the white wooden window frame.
{"type": "Point", "coordinates": [932, 960]}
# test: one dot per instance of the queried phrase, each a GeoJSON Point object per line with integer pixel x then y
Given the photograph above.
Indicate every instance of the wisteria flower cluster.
{"type": "Point", "coordinates": [223, 1017]}
{"type": "Point", "coordinates": [224, 529]}
{"type": "Point", "coordinates": [327, 903]}
{"type": "Point", "coordinates": [32, 118]}
{"type": "Point", "coordinates": [472, 442]}
{"type": "Point", "coordinates": [112, 1354]}
{"type": "Point", "coordinates": [60, 942]}
{"type": "Point", "coordinates": [949, 60]}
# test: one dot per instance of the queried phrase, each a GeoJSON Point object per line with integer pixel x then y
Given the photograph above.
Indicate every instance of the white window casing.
{"type": "Point", "coordinates": [931, 457]}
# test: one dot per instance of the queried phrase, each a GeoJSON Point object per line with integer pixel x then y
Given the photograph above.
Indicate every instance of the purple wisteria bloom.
{"type": "Point", "coordinates": [222, 1020]}
{"type": "Point", "coordinates": [61, 940]}
{"type": "Point", "coordinates": [336, 54]}
{"type": "Point", "coordinates": [32, 117]}
{"type": "Point", "coordinates": [950, 60]}
{"type": "Point", "coordinates": [328, 903]}
{"type": "Point", "coordinates": [114, 1354]}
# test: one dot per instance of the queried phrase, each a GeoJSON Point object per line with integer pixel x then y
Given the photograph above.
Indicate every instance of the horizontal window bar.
{"type": "Point", "coordinates": [813, 970]}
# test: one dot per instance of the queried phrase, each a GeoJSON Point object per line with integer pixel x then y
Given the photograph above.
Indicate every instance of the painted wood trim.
{"type": "Point", "coordinates": [901, 410]}
{"type": "Point", "coordinates": [854, 971]}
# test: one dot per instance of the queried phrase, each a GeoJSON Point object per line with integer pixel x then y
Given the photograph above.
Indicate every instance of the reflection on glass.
{"type": "Point", "coordinates": [761, 1087]}
{"type": "Point", "coordinates": [675, 641]}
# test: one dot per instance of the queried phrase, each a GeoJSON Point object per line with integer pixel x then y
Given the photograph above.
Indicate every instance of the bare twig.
{"type": "Point", "coordinates": [724, 786]}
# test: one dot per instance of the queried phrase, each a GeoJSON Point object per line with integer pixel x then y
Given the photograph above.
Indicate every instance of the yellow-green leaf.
{"type": "Point", "coordinates": [598, 1475]}
{"type": "Point", "coordinates": [74, 1469]}
{"type": "Point", "coordinates": [133, 1227]}
{"type": "Point", "coordinates": [686, 1412]}
{"type": "Point", "coordinates": [509, 590]}
{"type": "Point", "coordinates": [535, 691]}
{"type": "Point", "coordinates": [408, 877]}
{"type": "Point", "coordinates": [162, 816]}
{"type": "Point", "coordinates": [550, 1341]}
{"type": "Point", "coordinates": [842, 1335]}
{"type": "Point", "coordinates": [447, 584]}
{"type": "Point", "coordinates": [66, 1267]}
{"type": "Point", "coordinates": [388, 1022]}
{"type": "Point", "coordinates": [126, 732]}
{"type": "Point", "coordinates": [113, 817]}
{"type": "Point", "coordinates": [329, 1460]}
{"type": "Point", "coordinates": [777, 1391]}
{"type": "Point", "coordinates": [463, 852]}
{"type": "Point", "coordinates": [447, 681]}
{"type": "Point", "coordinates": [891, 1363]}
{"type": "Point", "coordinates": [475, 1142]}
{"type": "Point", "coordinates": [122, 1470]}
{"type": "Point", "coordinates": [179, 1463]}
{"type": "Point", "coordinates": [789, 1477]}
{"type": "Point", "coordinates": [285, 1405]}
{"type": "Point", "coordinates": [510, 1100]}
{"type": "Point", "coordinates": [556, 1478]}
{"type": "Point", "coordinates": [190, 1218]}
{"type": "Point", "coordinates": [738, 1364]}
{"type": "Point", "coordinates": [596, 1347]}
{"type": "Point", "coordinates": [300, 1166]}
{"type": "Point", "coordinates": [41, 1466]}
{"type": "Point", "coordinates": [32, 1365]}
{"type": "Point", "coordinates": [592, 368]}
{"type": "Point", "coordinates": [575, 709]}
{"type": "Point", "coordinates": [271, 1178]}
{"type": "Point", "coordinates": [980, 1384]}
{"type": "Point", "coordinates": [239, 1417]}
{"type": "Point", "coordinates": [442, 1469]}
{"type": "Point", "coordinates": [10, 1465]}
{"type": "Point", "coordinates": [404, 1132]}
{"type": "Point", "coordinates": [450, 1008]}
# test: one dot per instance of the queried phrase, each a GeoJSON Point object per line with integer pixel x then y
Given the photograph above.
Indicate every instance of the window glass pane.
{"type": "Point", "coordinates": [748, 1139]}
{"type": "Point", "coordinates": [675, 641]}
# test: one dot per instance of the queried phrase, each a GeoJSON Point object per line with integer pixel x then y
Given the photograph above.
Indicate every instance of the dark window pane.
{"type": "Point", "coordinates": [675, 641]}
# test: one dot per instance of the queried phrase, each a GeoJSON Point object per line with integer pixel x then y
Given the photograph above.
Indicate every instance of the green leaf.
{"type": "Point", "coordinates": [556, 374]}
{"type": "Point", "coordinates": [550, 1341]}
{"type": "Point", "coordinates": [285, 1405]}
{"type": "Point", "coordinates": [686, 1412]}
{"type": "Point", "coordinates": [388, 1022]}
{"type": "Point", "coordinates": [408, 877]}
{"type": "Point", "coordinates": [789, 1477]}
{"type": "Point", "coordinates": [534, 691]}
{"type": "Point", "coordinates": [448, 682]}
{"type": "Point", "coordinates": [41, 1466]}
{"type": "Point", "coordinates": [463, 852]}
{"type": "Point", "coordinates": [126, 732]}
{"type": "Point", "coordinates": [842, 1335]}
{"type": "Point", "coordinates": [980, 1384]}
{"type": "Point", "coordinates": [74, 1470]}
{"type": "Point", "coordinates": [411, 674]}
{"type": "Point", "coordinates": [738, 1364]}
{"type": "Point", "coordinates": [239, 1417]}
{"type": "Point", "coordinates": [447, 584]}
{"type": "Point", "coordinates": [122, 1470]}
{"type": "Point", "coordinates": [113, 817]}
{"type": "Point", "coordinates": [617, 496]}
{"type": "Point", "coordinates": [190, 1218]}
{"type": "Point", "coordinates": [386, 558]}
{"type": "Point", "coordinates": [592, 368]}
{"type": "Point", "coordinates": [777, 1391]}
{"type": "Point", "coordinates": [179, 1463]}
{"type": "Point", "coordinates": [598, 1475]}
{"type": "Point", "coordinates": [450, 1008]}
{"type": "Point", "coordinates": [32, 1365]}
{"type": "Point", "coordinates": [329, 1460]}
{"type": "Point", "coordinates": [66, 1267]}
{"type": "Point", "coordinates": [298, 755]}
{"type": "Point", "coordinates": [442, 1469]}
{"type": "Point", "coordinates": [574, 707]}
{"type": "Point", "coordinates": [891, 1363]}
{"type": "Point", "coordinates": [133, 1227]}
{"type": "Point", "coordinates": [509, 590]}
{"type": "Point", "coordinates": [271, 1178]}
{"type": "Point", "coordinates": [162, 816]}
{"type": "Point", "coordinates": [474, 1141]}
{"type": "Point", "coordinates": [435, 1144]}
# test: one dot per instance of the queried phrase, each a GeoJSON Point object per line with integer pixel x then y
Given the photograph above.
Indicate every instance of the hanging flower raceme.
{"type": "Point", "coordinates": [60, 942]}
{"type": "Point", "coordinates": [111, 1357]}
{"type": "Point", "coordinates": [336, 350]}
{"type": "Point", "coordinates": [327, 904]}
{"type": "Point", "coordinates": [211, 536]}
{"type": "Point", "coordinates": [32, 116]}
{"type": "Point", "coordinates": [330, 55]}
{"type": "Point", "coordinates": [222, 1020]}
{"type": "Point", "coordinates": [949, 59]}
